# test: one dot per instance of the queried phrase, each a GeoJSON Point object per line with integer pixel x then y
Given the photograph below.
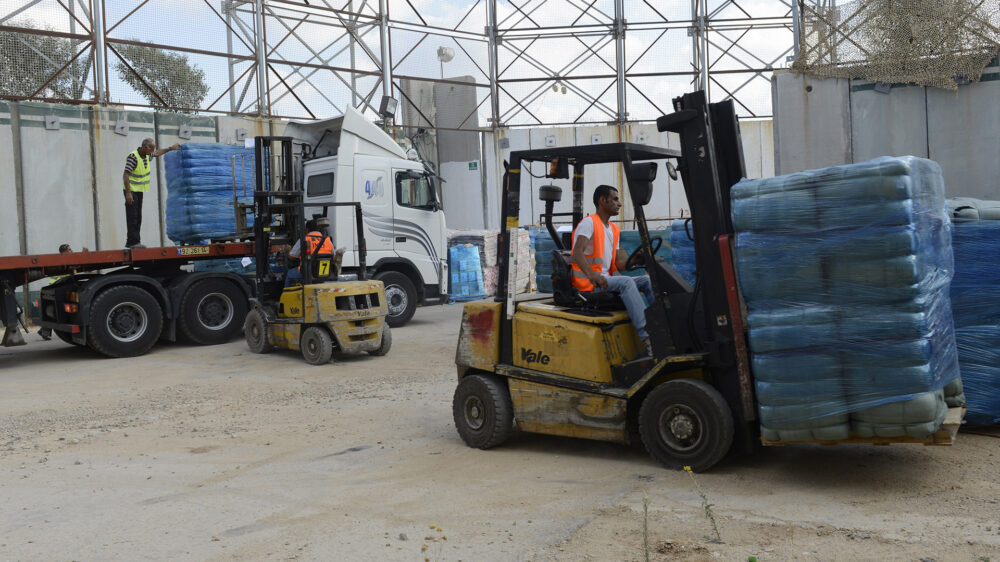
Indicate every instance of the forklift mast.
{"type": "Point", "coordinates": [279, 209]}
{"type": "Point", "coordinates": [711, 163]}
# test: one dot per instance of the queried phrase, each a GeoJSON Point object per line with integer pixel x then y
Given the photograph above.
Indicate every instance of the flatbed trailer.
{"type": "Point", "coordinates": [144, 297]}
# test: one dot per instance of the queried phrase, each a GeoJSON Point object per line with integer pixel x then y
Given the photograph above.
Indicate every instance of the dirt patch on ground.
{"type": "Point", "coordinates": [217, 453]}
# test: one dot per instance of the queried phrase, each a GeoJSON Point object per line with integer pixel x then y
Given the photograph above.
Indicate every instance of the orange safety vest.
{"type": "Point", "coordinates": [596, 259]}
{"type": "Point", "coordinates": [313, 239]}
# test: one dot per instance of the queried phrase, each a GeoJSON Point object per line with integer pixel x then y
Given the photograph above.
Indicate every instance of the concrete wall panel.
{"type": "Point", "coordinates": [892, 124]}
{"type": "Point", "coordinates": [58, 178]}
{"type": "Point", "coordinates": [812, 122]}
{"type": "Point", "coordinates": [956, 129]}
{"type": "Point", "coordinates": [10, 229]}
{"type": "Point", "coordinates": [965, 137]}
{"type": "Point", "coordinates": [110, 151]}
{"type": "Point", "coordinates": [463, 195]}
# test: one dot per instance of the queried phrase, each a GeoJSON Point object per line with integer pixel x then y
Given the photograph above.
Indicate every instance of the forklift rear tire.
{"type": "Point", "coordinates": [686, 422]}
{"type": "Point", "coordinates": [400, 296]}
{"type": "Point", "coordinates": [212, 311]}
{"type": "Point", "coordinates": [483, 411]}
{"type": "Point", "coordinates": [125, 321]}
{"type": "Point", "coordinates": [257, 333]}
{"type": "Point", "coordinates": [386, 344]}
{"type": "Point", "coordinates": [316, 345]}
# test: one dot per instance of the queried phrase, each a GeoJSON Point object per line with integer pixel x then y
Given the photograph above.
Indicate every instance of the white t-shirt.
{"type": "Point", "coordinates": [586, 228]}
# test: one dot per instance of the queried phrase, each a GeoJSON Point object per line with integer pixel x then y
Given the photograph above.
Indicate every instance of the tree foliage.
{"type": "Point", "coordinates": [177, 83]}
{"type": "Point", "coordinates": [28, 60]}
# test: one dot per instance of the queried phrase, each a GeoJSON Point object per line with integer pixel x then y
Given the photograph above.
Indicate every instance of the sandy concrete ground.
{"type": "Point", "coordinates": [213, 453]}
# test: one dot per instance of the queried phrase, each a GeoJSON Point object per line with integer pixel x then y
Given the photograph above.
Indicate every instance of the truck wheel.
{"type": "Point", "coordinates": [483, 411]}
{"type": "Point", "coordinates": [125, 321]}
{"type": "Point", "coordinates": [386, 342]}
{"type": "Point", "coordinates": [212, 311]}
{"type": "Point", "coordinates": [686, 422]}
{"type": "Point", "coordinates": [66, 337]}
{"type": "Point", "coordinates": [400, 296]}
{"type": "Point", "coordinates": [257, 333]}
{"type": "Point", "coordinates": [316, 345]}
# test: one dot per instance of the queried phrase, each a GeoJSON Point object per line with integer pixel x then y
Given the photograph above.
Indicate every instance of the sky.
{"type": "Point", "coordinates": [193, 24]}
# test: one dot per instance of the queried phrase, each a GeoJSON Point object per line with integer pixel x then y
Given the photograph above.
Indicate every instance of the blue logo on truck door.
{"type": "Point", "coordinates": [374, 188]}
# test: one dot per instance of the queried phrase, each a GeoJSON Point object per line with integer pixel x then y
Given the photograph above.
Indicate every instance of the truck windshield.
{"type": "Point", "coordinates": [414, 192]}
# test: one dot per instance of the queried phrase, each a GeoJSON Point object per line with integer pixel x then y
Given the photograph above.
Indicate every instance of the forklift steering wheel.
{"type": "Point", "coordinates": [635, 259]}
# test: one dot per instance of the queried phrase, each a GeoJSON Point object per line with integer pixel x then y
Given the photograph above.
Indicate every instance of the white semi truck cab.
{"type": "Point", "coordinates": [349, 158]}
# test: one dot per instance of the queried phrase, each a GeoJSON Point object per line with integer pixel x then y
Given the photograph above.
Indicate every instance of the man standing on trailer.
{"type": "Point", "coordinates": [596, 258]}
{"type": "Point", "coordinates": [136, 181]}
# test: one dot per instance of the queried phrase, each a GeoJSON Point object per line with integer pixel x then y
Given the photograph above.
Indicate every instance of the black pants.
{"type": "Point", "coordinates": [133, 218]}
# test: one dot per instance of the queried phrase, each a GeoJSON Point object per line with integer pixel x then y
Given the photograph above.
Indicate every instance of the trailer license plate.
{"type": "Point", "coordinates": [193, 251]}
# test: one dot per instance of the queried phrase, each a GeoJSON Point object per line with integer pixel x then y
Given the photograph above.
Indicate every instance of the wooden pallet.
{"type": "Point", "coordinates": [943, 436]}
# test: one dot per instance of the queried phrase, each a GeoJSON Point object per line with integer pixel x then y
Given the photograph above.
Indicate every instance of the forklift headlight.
{"type": "Point", "coordinates": [72, 296]}
{"type": "Point", "coordinates": [70, 308]}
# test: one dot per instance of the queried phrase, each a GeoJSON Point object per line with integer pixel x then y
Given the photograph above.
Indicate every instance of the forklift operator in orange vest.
{"type": "Point", "coordinates": [596, 260]}
{"type": "Point", "coordinates": [318, 243]}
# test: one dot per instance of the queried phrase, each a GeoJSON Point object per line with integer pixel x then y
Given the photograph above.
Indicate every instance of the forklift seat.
{"type": "Point", "coordinates": [565, 294]}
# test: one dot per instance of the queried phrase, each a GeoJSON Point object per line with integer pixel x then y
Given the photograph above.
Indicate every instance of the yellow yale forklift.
{"type": "Point", "coordinates": [320, 315]}
{"type": "Point", "coordinates": [566, 364]}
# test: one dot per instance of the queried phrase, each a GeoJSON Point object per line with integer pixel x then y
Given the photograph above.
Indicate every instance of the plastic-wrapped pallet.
{"type": "Point", "coordinates": [490, 280]}
{"type": "Point", "coordinates": [682, 249]}
{"type": "Point", "coordinates": [524, 278]}
{"type": "Point", "coordinates": [975, 296]}
{"type": "Point", "coordinates": [466, 272]}
{"type": "Point", "coordinates": [200, 190]}
{"type": "Point", "coordinates": [846, 273]}
{"type": "Point", "coordinates": [629, 241]}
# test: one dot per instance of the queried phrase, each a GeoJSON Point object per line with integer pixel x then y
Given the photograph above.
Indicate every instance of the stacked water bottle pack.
{"type": "Point", "coordinates": [629, 241]}
{"type": "Point", "coordinates": [200, 190]}
{"type": "Point", "coordinates": [465, 267]}
{"type": "Point", "coordinates": [846, 273]}
{"type": "Point", "coordinates": [975, 296]}
{"type": "Point", "coordinates": [682, 248]}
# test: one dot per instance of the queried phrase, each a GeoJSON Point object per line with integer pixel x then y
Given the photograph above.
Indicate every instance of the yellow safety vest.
{"type": "Point", "coordinates": [139, 178]}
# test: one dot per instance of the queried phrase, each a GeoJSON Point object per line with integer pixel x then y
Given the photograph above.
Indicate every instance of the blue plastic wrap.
{"type": "Point", "coordinates": [846, 272]}
{"type": "Point", "coordinates": [629, 241]}
{"type": "Point", "coordinates": [975, 294]}
{"type": "Point", "coordinates": [466, 270]}
{"type": "Point", "coordinates": [682, 249]}
{"type": "Point", "coordinates": [200, 190]}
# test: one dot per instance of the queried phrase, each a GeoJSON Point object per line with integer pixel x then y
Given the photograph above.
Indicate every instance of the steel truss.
{"type": "Point", "coordinates": [529, 62]}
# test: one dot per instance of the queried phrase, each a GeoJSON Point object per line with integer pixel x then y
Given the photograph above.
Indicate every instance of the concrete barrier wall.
{"type": "Point", "coordinates": [67, 183]}
{"type": "Point", "coordinates": [669, 199]}
{"type": "Point", "coordinates": [827, 122]}
{"type": "Point", "coordinates": [72, 177]}
{"type": "Point", "coordinates": [57, 178]}
{"type": "Point", "coordinates": [10, 224]}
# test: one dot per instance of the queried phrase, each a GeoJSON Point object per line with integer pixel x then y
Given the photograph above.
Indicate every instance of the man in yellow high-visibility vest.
{"type": "Point", "coordinates": [136, 183]}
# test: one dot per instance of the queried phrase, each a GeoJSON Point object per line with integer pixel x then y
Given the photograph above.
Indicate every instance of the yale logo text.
{"type": "Point", "coordinates": [529, 356]}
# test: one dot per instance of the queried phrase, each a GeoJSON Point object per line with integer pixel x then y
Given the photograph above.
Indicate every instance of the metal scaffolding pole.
{"type": "Point", "coordinates": [619, 27]}
{"type": "Point", "coordinates": [383, 14]}
{"type": "Point", "coordinates": [491, 32]}
{"type": "Point", "coordinates": [100, 69]}
{"type": "Point", "coordinates": [262, 108]}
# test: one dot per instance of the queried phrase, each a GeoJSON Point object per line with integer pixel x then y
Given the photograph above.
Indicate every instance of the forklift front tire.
{"type": "Point", "coordinates": [386, 344]}
{"type": "Point", "coordinates": [256, 332]}
{"type": "Point", "coordinates": [483, 412]}
{"type": "Point", "coordinates": [686, 423]}
{"type": "Point", "coordinates": [316, 345]}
